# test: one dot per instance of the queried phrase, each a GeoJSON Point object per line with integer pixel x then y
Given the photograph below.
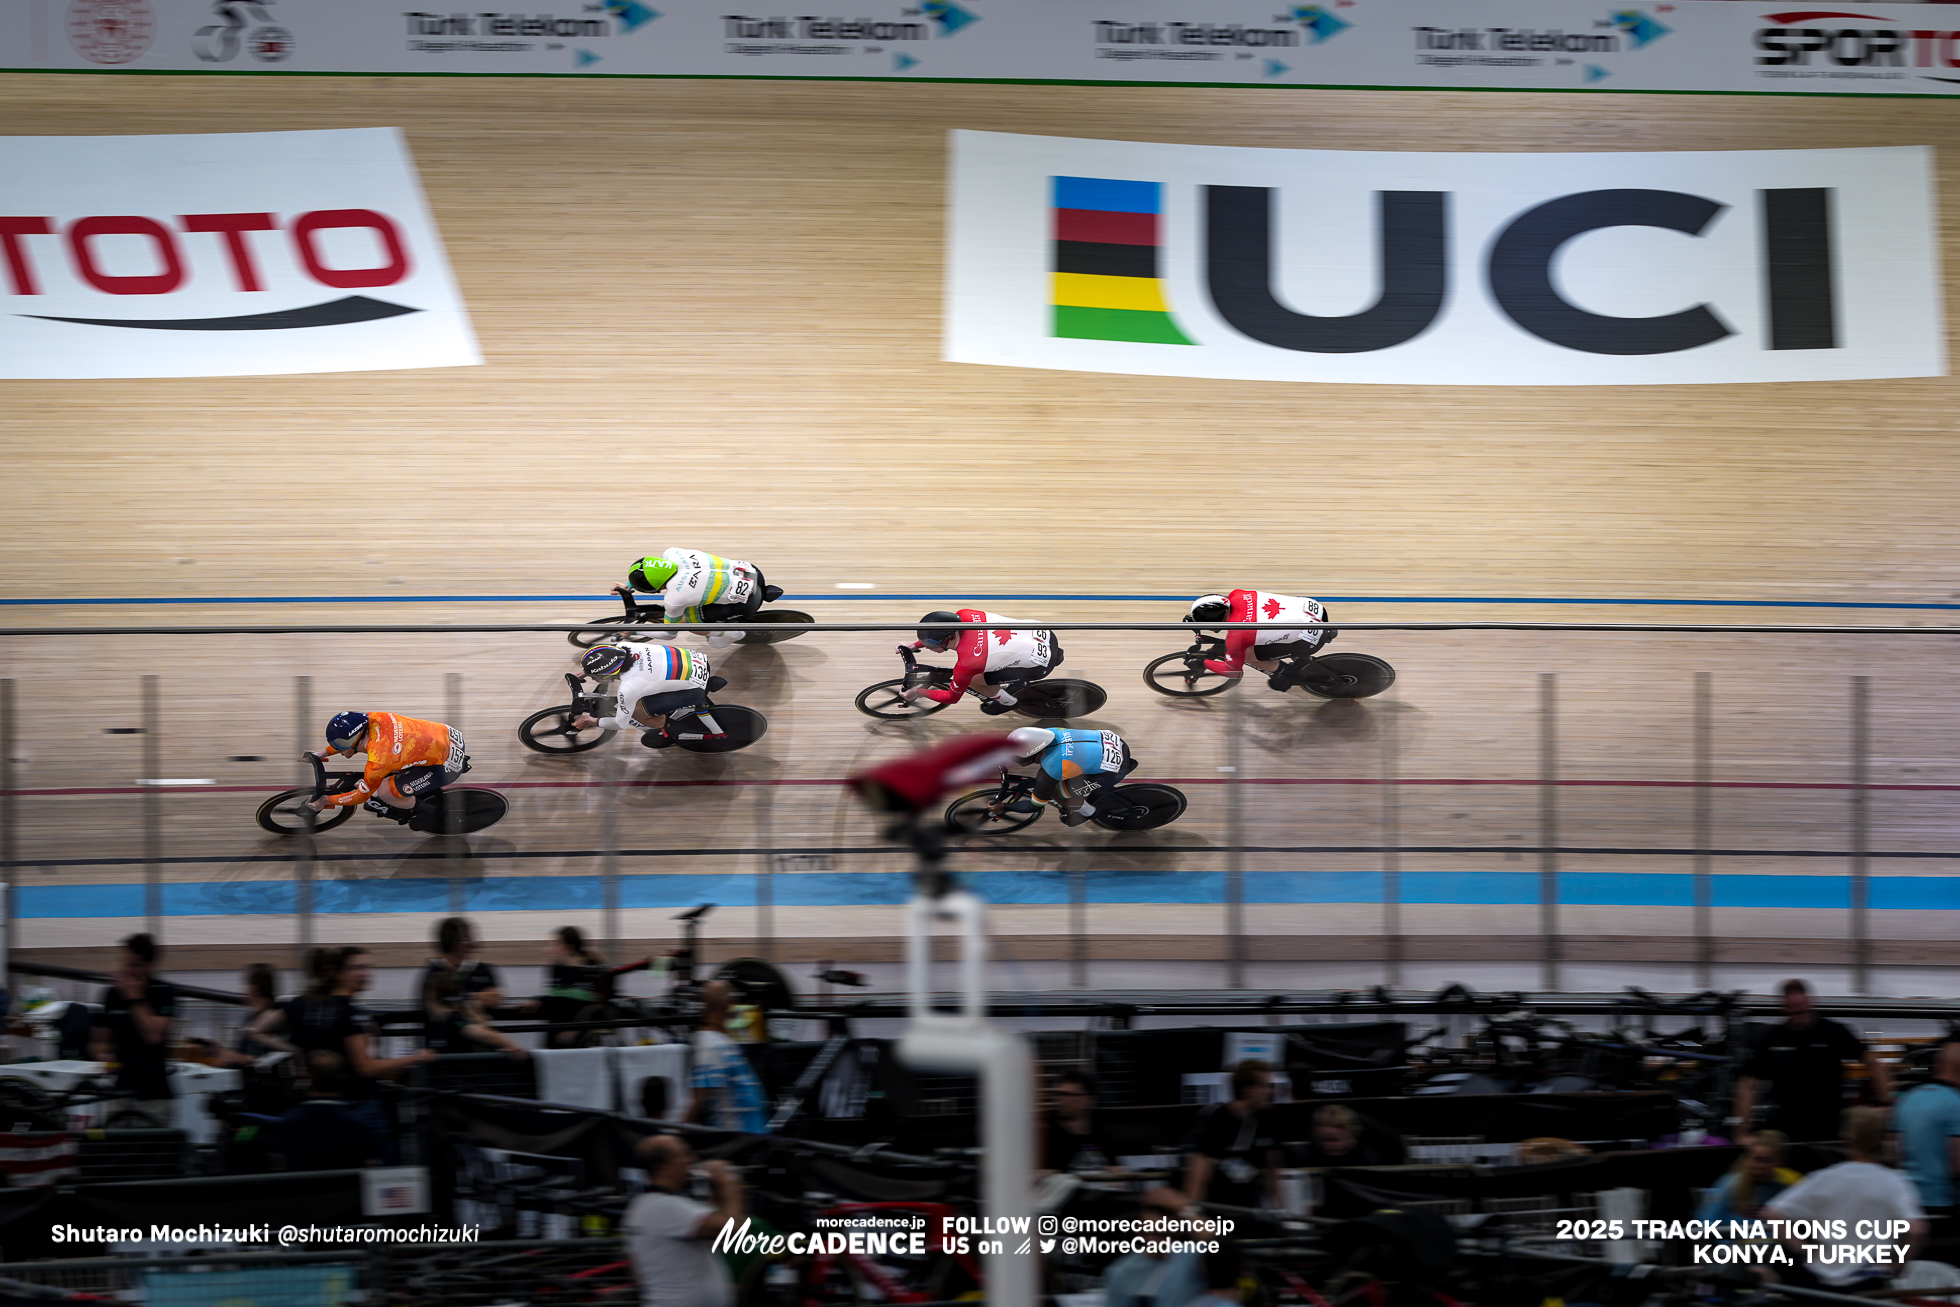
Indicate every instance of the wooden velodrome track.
{"type": "Point", "coordinates": [710, 311]}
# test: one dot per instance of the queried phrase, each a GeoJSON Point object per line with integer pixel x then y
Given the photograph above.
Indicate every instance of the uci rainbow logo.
{"type": "Point", "coordinates": [1105, 282]}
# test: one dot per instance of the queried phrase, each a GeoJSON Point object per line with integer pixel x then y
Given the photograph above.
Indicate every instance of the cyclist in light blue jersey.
{"type": "Point", "coordinates": [1077, 769]}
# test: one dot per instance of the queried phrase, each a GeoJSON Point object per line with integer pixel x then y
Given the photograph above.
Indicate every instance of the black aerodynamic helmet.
{"type": "Point", "coordinates": [606, 660]}
{"type": "Point", "coordinates": [940, 634]}
{"type": "Point", "coordinates": [1209, 608]}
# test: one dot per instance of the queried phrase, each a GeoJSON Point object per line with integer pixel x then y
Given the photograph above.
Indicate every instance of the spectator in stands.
{"type": "Point", "coordinates": [264, 1013]}
{"type": "Point", "coordinates": [580, 981]}
{"type": "Point", "coordinates": [669, 1235]}
{"type": "Point", "coordinates": [454, 1024]}
{"type": "Point", "coordinates": [1233, 1157]}
{"type": "Point", "coordinates": [323, 1133]}
{"type": "Point", "coordinates": [1863, 1189]}
{"type": "Point", "coordinates": [727, 1094]}
{"type": "Point", "coordinates": [133, 1031]}
{"type": "Point", "coordinates": [1339, 1140]}
{"type": "Point", "coordinates": [1753, 1183]}
{"type": "Point", "coordinates": [1222, 1275]}
{"type": "Point", "coordinates": [456, 940]}
{"type": "Point", "coordinates": [1072, 1140]}
{"type": "Point", "coordinates": [1927, 1118]}
{"type": "Point", "coordinates": [1803, 1058]}
{"type": "Point", "coordinates": [328, 1018]}
{"type": "Point", "coordinates": [1154, 1279]}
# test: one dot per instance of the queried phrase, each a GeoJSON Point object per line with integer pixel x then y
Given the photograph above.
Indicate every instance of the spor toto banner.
{"type": "Point", "coordinates": [207, 256]}
{"type": "Point", "coordinates": [1442, 269]}
{"type": "Point", "coordinates": [1672, 45]}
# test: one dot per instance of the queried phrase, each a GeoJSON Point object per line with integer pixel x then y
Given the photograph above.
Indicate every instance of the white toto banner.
{"type": "Point", "coordinates": [232, 255]}
{"type": "Point", "coordinates": [1442, 269]}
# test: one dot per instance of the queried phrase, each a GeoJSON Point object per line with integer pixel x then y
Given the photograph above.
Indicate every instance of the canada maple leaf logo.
{"type": "Point", "coordinates": [1271, 607]}
{"type": "Point", "coordinates": [1002, 637]}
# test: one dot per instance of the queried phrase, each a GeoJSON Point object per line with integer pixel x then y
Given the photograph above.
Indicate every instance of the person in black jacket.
{"type": "Point", "coordinates": [1233, 1155]}
{"type": "Point", "coordinates": [323, 1133]}
{"type": "Point", "coordinates": [327, 1018]}
{"type": "Point", "coordinates": [133, 1031]}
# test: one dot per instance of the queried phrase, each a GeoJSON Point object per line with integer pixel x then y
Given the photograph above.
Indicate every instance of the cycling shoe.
{"type": "Point", "coordinates": [656, 740]}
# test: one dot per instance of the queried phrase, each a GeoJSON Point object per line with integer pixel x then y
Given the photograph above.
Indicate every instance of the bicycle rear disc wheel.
{"type": "Point", "coordinates": [1142, 807]}
{"type": "Point", "coordinates": [1059, 697]}
{"type": "Point", "coordinates": [971, 816]}
{"type": "Point", "coordinates": [551, 731]}
{"type": "Point", "coordinates": [789, 620]}
{"type": "Point", "coordinates": [283, 814]}
{"type": "Point", "coordinates": [1185, 676]}
{"type": "Point", "coordinates": [741, 727]}
{"type": "Point", "coordinates": [885, 701]}
{"type": "Point", "coordinates": [480, 808]}
{"type": "Point", "coordinates": [1356, 676]}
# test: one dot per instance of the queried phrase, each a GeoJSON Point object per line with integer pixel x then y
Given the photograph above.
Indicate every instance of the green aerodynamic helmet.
{"type": "Point", "coordinates": [650, 575]}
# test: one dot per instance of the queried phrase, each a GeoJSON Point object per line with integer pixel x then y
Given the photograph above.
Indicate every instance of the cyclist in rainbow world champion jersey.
{"type": "Point", "coordinates": [661, 688]}
{"type": "Point", "coordinates": [989, 661]}
{"type": "Point", "coordinates": [1078, 769]}
{"type": "Point", "coordinates": [699, 587]}
{"type": "Point", "coordinates": [407, 758]}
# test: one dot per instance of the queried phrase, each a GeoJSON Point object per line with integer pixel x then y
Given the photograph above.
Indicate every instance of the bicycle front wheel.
{"type": "Point", "coordinates": [551, 731]}
{"type": "Point", "coordinates": [885, 700]}
{"type": "Point", "coordinates": [1185, 676]}
{"type": "Point", "coordinates": [973, 815]}
{"type": "Point", "coordinates": [285, 814]}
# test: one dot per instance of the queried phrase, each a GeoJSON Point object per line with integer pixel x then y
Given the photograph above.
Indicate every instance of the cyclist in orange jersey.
{"type": "Point", "coordinates": [407, 758]}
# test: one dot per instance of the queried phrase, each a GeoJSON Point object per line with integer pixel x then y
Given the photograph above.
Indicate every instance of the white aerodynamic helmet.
{"type": "Point", "coordinates": [1031, 740]}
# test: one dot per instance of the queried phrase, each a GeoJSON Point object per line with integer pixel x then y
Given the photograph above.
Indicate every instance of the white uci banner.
{"type": "Point", "coordinates": [1671, 45]}
{"type": "Point", "coordinates": [1442, 269]}
{"type": "Point", "coordinates": [232, 255]}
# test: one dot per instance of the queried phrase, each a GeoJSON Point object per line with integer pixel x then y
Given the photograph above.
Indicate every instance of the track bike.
{"type": "Point", "coordinates": [654, 615]}
{"type": "Point", "coordinates": [1142, 806]}
{"type": "Point", "coordinates": [1344, 675]}
{"type": "Point", "coordinates": [1051, 697]}
{"type": "Point", "coordinates": [550, 730]}
{"type": "Point", "coordinates": [285, 813]}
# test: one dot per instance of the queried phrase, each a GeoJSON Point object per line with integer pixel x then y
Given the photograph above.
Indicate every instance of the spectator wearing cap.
{"type": "Point", "coordinates": [1802, 1058]}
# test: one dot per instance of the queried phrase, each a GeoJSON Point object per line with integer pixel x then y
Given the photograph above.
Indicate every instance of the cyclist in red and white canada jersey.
{"type": "Point", "coordinates": [989, 661]}
{"type": "Point", "coordinates": [1261, 650]}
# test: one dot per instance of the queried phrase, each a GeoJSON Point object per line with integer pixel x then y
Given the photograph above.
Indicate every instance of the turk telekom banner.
{"type": "Point", "coordinates": [1442, 269]}
{"type": "Point", "coordinates": [231, 255]}
{"type": "Point", "coordinates": [1682, 45]}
